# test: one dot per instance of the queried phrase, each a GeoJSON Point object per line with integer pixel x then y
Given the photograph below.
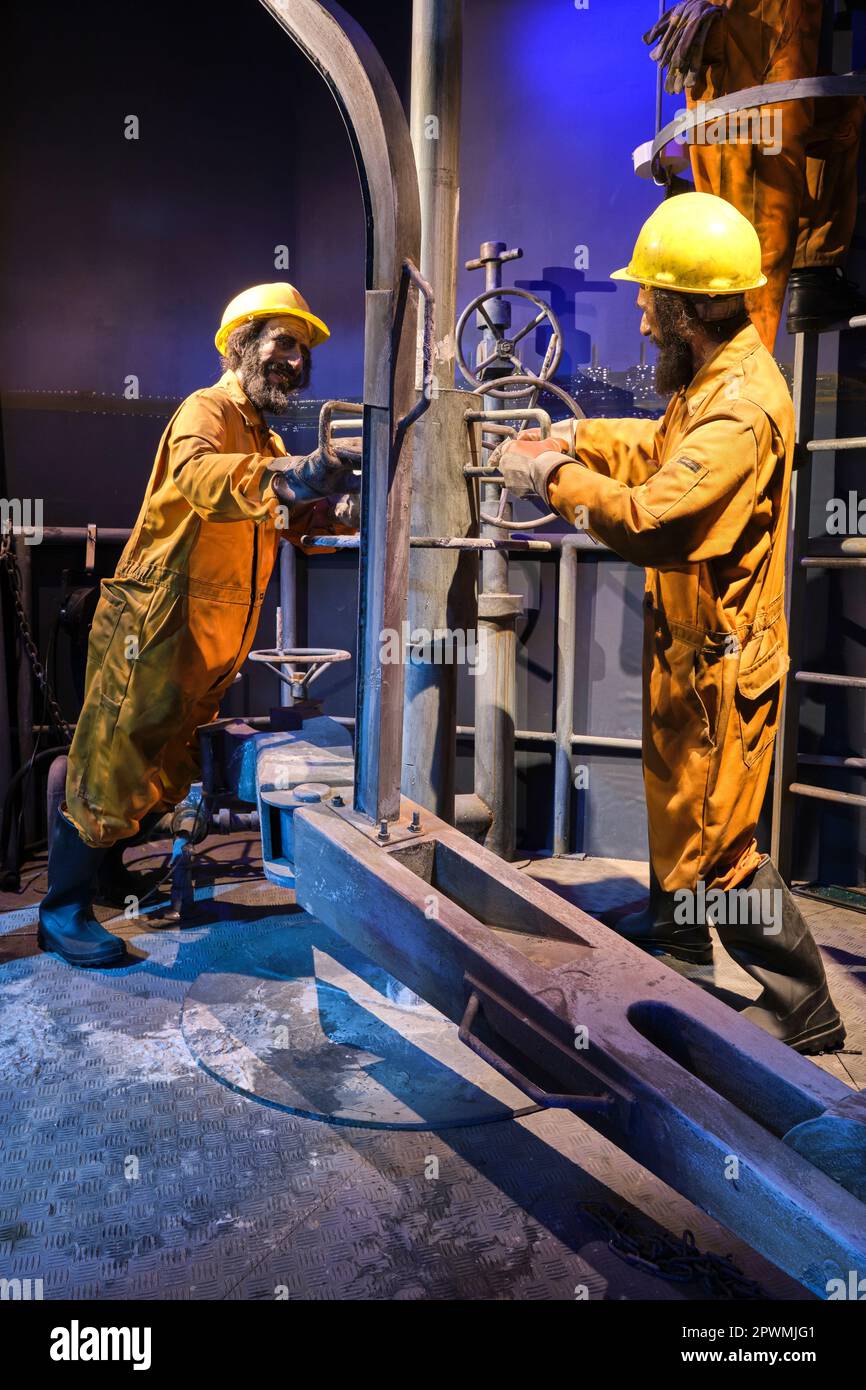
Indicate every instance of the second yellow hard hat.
{"type": "Point", "coordinates": [697, 244]}
{"type": "Point", "coordinates": [266, 302]}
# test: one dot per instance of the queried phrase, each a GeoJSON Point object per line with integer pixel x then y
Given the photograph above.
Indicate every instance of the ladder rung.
{"type": "Point", "coordinates": [832, 760]}
{"type": "Point", "coordinates": [833, 562]}
{"type": "Point", "coordinates": [835, 552]}
{"type": "Point", "coordinates": [823, 678]}
{"type": "Point", "coordinates": [826, 794]}
{"type": "Point", "coordinates": [819, 446]}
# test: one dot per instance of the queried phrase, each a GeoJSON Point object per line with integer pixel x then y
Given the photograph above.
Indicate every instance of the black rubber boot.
{"type": "Point", "coordinates": [822, 297]}
{"type": "Point", "coordinates": [655, 929]}
{"type": "Point", "coordinates": [66, 922]}
{"type": "Point", "coordinates": [115, 883]}
{"type": "Point", "coordinates": [795, 1005]}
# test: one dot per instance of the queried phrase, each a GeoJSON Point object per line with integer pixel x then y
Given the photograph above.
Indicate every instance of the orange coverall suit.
{"type": "Point", "coordinates": [802, 201]}
{"type": "Point", "coordinates": [175, 624]}
{"type": "Point", "coordinates": [700, 498]}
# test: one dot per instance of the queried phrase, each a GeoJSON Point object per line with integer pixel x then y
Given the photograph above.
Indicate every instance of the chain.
{"type": "Point", "coordinates": [666, 1257]}
{"type": "Point", "coordinates": [9, 560]}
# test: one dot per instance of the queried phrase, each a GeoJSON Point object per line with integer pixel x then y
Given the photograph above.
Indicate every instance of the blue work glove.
{"type": "Point", "coordinates": [678, 40]}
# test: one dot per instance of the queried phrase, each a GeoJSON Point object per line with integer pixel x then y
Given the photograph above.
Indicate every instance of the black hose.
{"type": "Point", "coordinates": [10, 875]}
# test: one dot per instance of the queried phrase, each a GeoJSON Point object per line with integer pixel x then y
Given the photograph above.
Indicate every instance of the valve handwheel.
{"type": "Point", "coordinates": [283, 661]}
{"type": "Point", "coordinates": [504, 353]}
{"type": "Point", "coordinates": [535, 385]}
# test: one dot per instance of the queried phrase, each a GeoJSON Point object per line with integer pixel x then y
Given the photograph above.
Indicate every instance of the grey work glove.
{"type": "Point", "coordinates": [314, 512]}
{"type": "Point", "coordinates": [527, 464]}
{"type": "Point", "coordinates": [325, 472]}
{"type": "Point", "coordinates": [679, 38]}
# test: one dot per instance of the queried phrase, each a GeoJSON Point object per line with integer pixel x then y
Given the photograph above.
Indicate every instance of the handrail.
{"type": "Point", "coordinates": [765, 94]}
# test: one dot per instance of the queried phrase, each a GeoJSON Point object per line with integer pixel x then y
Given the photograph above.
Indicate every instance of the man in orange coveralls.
{"type": "Point", "coordinates": [175, 624]}
{"type": "Point", "coordinates": [700, 498]}
{"type": "Point", "coordinates": [801, 198]}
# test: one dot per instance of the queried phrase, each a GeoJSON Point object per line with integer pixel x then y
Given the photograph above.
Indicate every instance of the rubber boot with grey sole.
{"type": "Point", "coordinates": [774, 946]}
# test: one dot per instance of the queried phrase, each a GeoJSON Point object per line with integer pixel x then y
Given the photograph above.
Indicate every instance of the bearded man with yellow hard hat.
{"type": "Point", "coordinates": [700, 498]}
{"type": "Point", "coordinates": [174, 626]}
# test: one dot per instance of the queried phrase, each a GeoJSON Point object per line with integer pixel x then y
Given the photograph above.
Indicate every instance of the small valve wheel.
{"type": "Point", "coordinates": [504, 352]}
{"type": "Point", "coordinates": [298, 667]}
{"type": "Point", "coordinates": [535, 385]}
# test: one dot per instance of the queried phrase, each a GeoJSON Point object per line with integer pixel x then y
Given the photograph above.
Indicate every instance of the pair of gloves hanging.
{"type": "Point", "coordinates": [679, 40]}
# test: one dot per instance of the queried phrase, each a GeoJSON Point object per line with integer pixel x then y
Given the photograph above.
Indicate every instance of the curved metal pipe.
{"type": "Point", "coordinates": [379, 136]}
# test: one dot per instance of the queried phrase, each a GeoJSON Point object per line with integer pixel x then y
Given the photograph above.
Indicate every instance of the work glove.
{"type": "Point", "coordinates": [678, 40]}
{"type": "Point", "coordinates": [346, 510]}
{"type": "Point", "coordinates": [308, 511]}
{"type": "Point", "coordinates": [325, 472]}
{"type": "Point", "coordinates": [526, 464]}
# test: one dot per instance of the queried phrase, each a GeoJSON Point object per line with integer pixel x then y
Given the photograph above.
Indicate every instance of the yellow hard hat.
{"type": "Point", "coordinates": [697, 244]}
{"type": "Point", "coordinates": [265, 302]}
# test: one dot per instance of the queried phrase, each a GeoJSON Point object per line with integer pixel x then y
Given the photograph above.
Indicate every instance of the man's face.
{"type": "Point", "coordinates": [274, 365]}
{"type": "Point", "coordinates": [649, 326]}
{"type": "Point", "coordinates": [664, 323]}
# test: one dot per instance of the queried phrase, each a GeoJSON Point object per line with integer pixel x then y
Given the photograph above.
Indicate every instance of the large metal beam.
{"type": "Point", "coordinates": [583, 1020]}
{"type": "Point", "coordinates": [379, 134]}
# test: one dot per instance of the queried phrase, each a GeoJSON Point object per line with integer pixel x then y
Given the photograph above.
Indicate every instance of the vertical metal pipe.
{"type": "Point", "coordinates": [440, 505]}
{"type": "Point", "coordinates": [437, 73]}
{"type": "Point", "coordinates": [496, 685]}
{"type": "Point", "coordinates": [288, 630]}
{"type": "Point", "coordinates": [565, 643]}
{"type": "Point", "coordinates": [660, 80]}
{"type": "Point", "coordinates": [25, 690]}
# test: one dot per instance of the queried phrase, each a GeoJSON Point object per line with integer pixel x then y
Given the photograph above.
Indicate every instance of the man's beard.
{"type": "Point", "coordinates": [273, 397]}
{"type": "Point", "coordinates": [675, 367]}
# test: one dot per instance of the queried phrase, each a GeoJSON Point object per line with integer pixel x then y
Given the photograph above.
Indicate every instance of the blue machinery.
{"type": "Point", "coordinates": [761, 1138]}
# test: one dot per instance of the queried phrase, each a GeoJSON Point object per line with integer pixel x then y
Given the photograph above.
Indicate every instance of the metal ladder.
{"type": "Point", "coordinates": [845, 553]}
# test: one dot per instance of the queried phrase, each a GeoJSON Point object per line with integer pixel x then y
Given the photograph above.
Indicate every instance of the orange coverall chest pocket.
{"type": "Point", "coordinates": [763, 664]}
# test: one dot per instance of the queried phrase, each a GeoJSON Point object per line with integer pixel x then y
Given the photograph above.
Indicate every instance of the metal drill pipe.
{"type": "Point", "coordinates": [440, 502]}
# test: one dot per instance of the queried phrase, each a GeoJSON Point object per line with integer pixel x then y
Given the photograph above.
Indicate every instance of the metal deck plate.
{"type": "Point", "coordinates": [129, 1172]}
{"type": "Point", "coordinates": [294, 1017]}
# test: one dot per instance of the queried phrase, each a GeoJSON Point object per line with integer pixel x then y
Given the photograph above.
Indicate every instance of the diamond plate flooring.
{"type": "Point", "coordinates": [130, 1172]}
